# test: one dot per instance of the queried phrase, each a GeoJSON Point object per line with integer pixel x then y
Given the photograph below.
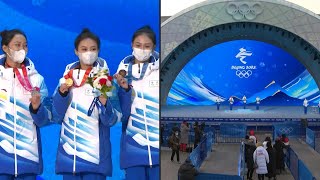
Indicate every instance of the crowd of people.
{"type": "Point", "coordinates": [179, 140]}
{"type": "Point", "coordinates": [265, 158]}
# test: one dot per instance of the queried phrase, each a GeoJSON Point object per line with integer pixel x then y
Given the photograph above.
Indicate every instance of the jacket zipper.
{"type": "Point", "coordinates": [15, 127]}
{"type": "Point", "coordinates": [74, 135]}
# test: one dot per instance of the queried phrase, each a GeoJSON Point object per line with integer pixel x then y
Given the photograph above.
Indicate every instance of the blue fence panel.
{"type": "Point", "coordinates": [241, 162]}
{"type": "Point", "coordinates": [290, 129]}
{"type": "Point", "coordinates": [233, 130]}
{"type": "Point", "coordinates": [294, 164]}
{"type": "Point", "coordinates": [304, 172]}
{"type": "Point", "coordinates": [198, 155]}
{"type": "Point", "coordinates": [210, 138]}
{"type": "Point", "coordinates": [317, 141]}
{"type": "Point", "coordinates": [195, 157]}
{"type": "Point", "coordinates": [206, 176]}
{"type": "Point", "coordinates": [310, 138]}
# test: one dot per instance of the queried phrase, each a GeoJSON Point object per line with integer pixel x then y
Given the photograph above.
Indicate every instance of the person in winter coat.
{"type": "Point", "coordinates": [266, 140]}
{"type": "Point", "coordinates": [187, 171]}
{"type": "Point", "coordinates": [272, 161]}
{"type": "Point", "coordinates": [279, 147]}
{"type": "Point", "coordinates": [261, 158]}
{"type": "Point", "coordinates": [22, 112]}
{"type": "Point", "coordinates": [139, 147]}
{"type": "Point", "coordinates": [174, 141]}
{"type": "Point", "coordinates": [252, 136]}
{"type": "Point", "coordinates": [84, 150]}
{"type": "Point", "coordinates": [184, 136]}
{"type": "Point", "coordinates": [250, 147]}
{"type": "Point", "coordinates": [197, 134]}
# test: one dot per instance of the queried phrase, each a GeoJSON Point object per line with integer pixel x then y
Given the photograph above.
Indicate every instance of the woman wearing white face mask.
{"type": "Point", "coordinates": [84, 151]}
{"type": "Point", "coordinates": [140, 128]}
{"type": "Point", "coordinates": [21, 110]}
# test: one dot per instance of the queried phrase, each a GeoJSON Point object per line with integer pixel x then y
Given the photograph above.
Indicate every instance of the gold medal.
{"type": "Point", "coordinates": [69, 82]}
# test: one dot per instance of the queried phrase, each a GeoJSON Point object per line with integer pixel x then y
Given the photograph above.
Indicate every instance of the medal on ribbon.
{"type": "Point", "coordinates": [70, 81]}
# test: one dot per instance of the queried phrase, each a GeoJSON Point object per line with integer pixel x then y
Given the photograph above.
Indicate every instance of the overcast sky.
{"type": "Point", "coordinates": [171, 7]}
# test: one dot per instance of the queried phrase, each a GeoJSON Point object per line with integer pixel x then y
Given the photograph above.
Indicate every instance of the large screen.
{"type": "Point", "coordinates": [244, 68]}
{"type": "Point", "coordinates": [51, 28]}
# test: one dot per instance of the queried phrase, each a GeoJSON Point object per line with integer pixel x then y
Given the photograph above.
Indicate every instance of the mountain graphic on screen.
{"type": "Point", "coordinates": [282, 99]}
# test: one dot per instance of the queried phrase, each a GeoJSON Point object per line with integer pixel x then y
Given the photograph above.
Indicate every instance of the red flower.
{"type": "Point", "coordinates": [103, 81]}
{"type": "Point", "coordinates": [110, 78]}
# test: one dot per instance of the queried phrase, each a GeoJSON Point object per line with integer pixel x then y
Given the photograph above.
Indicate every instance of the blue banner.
{"type": "Point", "coordinates": [310, 138]}
{"type": "Point", "coordinates": [290, 129]}
{"type": "Point", "coordinates": [246, 120]}
{"type": "Point", "coordinates": [233, 130]}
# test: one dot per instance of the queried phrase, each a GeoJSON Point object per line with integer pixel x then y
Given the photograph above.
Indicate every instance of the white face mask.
{"type": "Point", "coordinates": [141, 55]}
{"type": "Point", "coordinates": [88, 57]}
{"type": "Point", "coordinates": [177, 134]}
{"type": "Point", "coordinates": [17, 56]}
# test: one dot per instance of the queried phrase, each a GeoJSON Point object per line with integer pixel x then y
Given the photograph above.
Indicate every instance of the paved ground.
{"type": "Point", "coordinates": [223, 160]}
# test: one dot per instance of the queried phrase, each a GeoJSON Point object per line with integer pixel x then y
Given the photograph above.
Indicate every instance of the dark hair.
{"type": "Point", "coordinates": [147, 31]}
{"type": "Point", "coordinates": [86, 33]}
{"type": "Point", "coordinates": [269, 145]}
{"type": "Point", "coordinates": [268, 139]}
{"type": "Point", "coordinates": [247, 137]}
{"type": "Point", "coordinates": [7, 36]}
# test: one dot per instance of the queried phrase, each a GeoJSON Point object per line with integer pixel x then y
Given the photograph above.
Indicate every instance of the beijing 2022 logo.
{"type": "Point", "coordinates": [245, 70]}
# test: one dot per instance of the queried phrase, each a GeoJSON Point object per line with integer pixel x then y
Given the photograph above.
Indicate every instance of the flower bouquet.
{"type": "Point", "coordinates": [101, 82]}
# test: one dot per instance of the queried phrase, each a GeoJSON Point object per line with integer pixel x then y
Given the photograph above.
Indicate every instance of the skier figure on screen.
{"type": "Point", "coordinates": [305, 106]}
{"type": "Point", "coordinates": [231, 102]}
{"type": "Point", "coordinates": [244, 100]}
{"type": "Point", "coordinates": [257, 102]}
{"type": "Point", "coordinates": [218, 101]}
{"type": "Point", "coordinates": [319, 107]}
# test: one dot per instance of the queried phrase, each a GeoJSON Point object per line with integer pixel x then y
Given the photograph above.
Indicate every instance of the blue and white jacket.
{"type": "Point", "coordinates": [20, 143]}
{"type": "Point", "coordinates": [84, 140]}
{"type": "Point", "coordinates": [140, 129]}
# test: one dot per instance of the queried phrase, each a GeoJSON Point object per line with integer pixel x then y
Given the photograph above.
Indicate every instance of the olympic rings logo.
{"type": "Point", "coordinates": [243, 73]}
{"type": "Point", "coordinates": [286, 130]}
{"type": "Point", "coordinates": [244, 10]}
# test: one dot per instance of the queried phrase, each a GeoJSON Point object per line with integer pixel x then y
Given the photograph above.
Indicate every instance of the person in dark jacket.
{"type": "Point", "coordinates": [197, 134]}
{"type": "Point", "coordinates": [279, 146]}
{"type": "Point", "coordinates": [161, 133]}
{"type": "Point", "coordinates": [187, 171]}
{"type": "Point", "coordinates": [250, 147]}
{"type": "Point", "coordinates": [175, 145]}
{"type": "Point", "coordinates": [272, 161]}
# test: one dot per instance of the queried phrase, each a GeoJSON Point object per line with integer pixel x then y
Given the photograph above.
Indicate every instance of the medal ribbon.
{"type": "Point", "coordinates": [84, 79]}
{"type": "Point", "coordinates": [24, 81]}
{"type": "Point", "coordinates": [131, 77]}
{"type": "Point", "coordinates": [94, 103]}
